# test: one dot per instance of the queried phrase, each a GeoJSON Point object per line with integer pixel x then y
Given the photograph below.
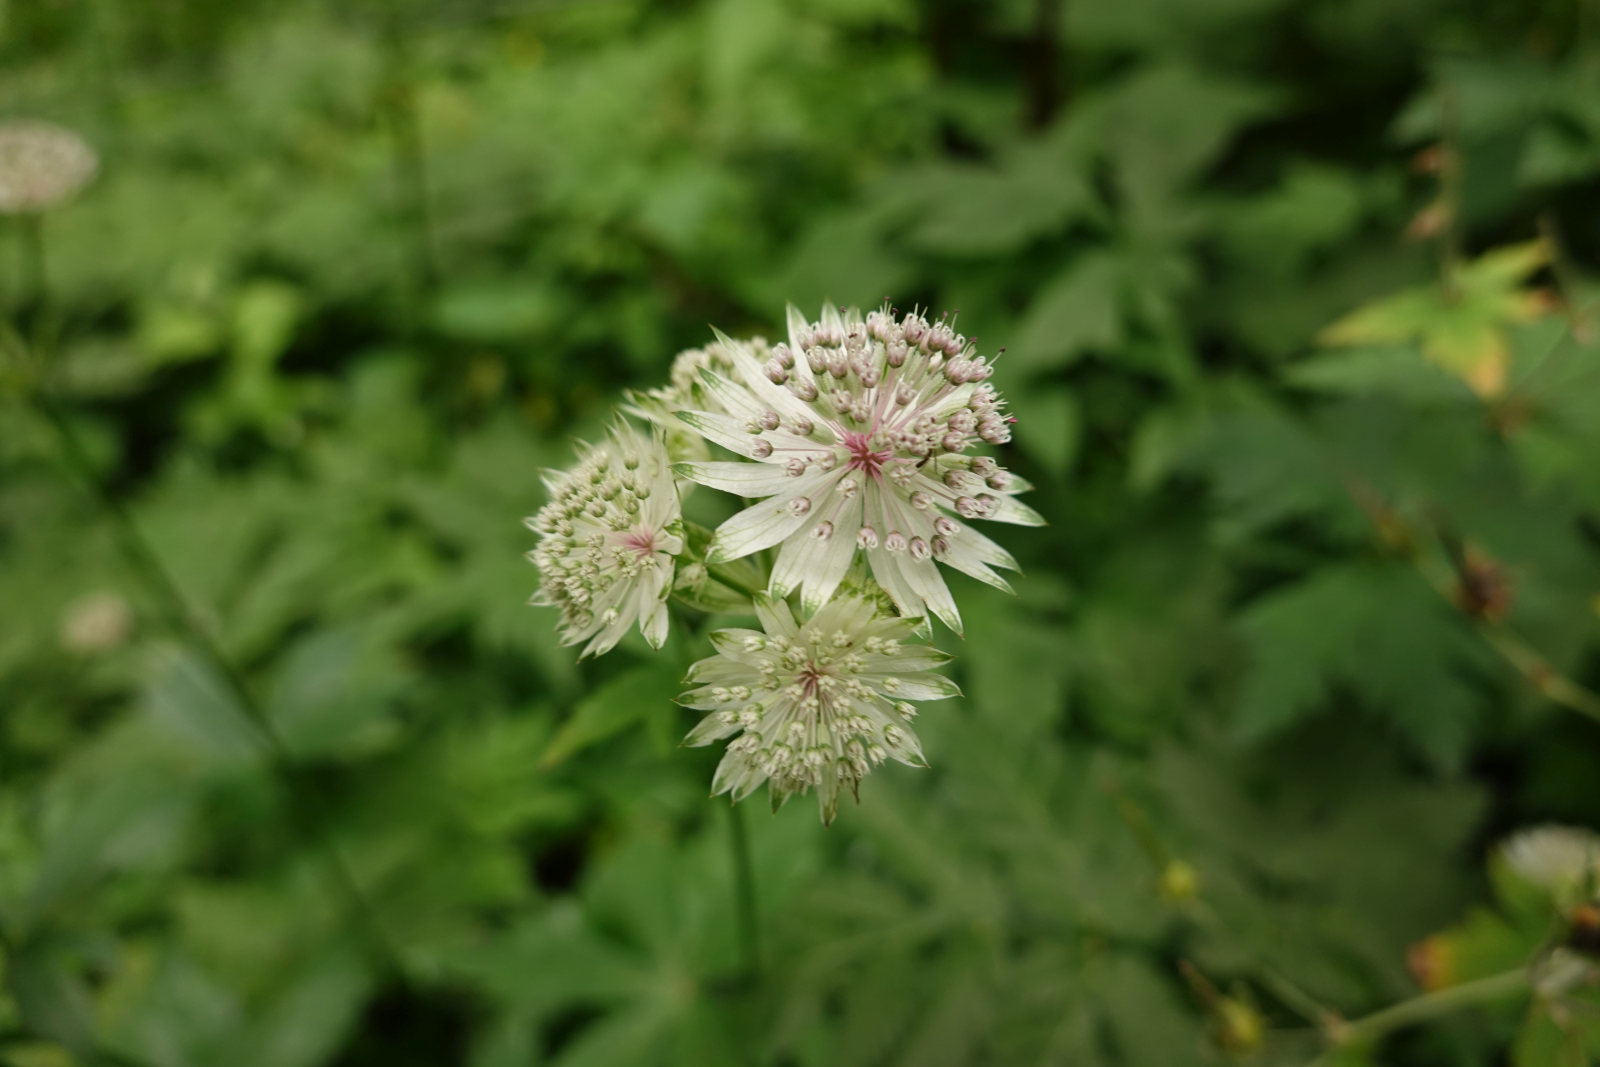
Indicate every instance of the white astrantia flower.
{"type": "Point", "coordinates": [1557, 858]}
{"type": "Point", "coordinates": [41, 165]}
{"type": "Point", "coordinates": [610, 537]}
{"type": "Point", "coordinates": [861, 429]}
{"type": "Point", "coordinates": [817, 704]}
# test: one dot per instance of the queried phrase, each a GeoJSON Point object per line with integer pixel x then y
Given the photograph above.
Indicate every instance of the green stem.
{"type": "Point", "coordinates": [410, 157]}
{"type": "Point", "coordinates": [744, 883]}
{"type": "Point", "coordinates": [1428, 1006]}
{"type": "Point", "coordinates": [34, 275]}
{"type": "Point", "coordinates": [142, 555]}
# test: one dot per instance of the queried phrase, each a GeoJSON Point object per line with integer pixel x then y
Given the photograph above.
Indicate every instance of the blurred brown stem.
{"type": "Point", "coordinates": [1529, 664]}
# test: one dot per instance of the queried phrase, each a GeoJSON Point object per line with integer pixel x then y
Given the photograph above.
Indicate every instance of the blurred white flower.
{"type": "Point", "coordinates": [1561, 859]}
{"type": "Point", "coordinates": [860, 429]}
{"type": "Point", "coordinates": [96, 623]}
{"type": "Point", "coordinates": [41, 165]}
{"type": "Point", "coordinates": [610, 535]}
{"type": "Point", "coordinates": [816, 705]}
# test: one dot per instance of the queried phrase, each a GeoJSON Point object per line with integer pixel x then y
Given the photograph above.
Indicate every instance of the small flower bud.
{"type": "Point", "coordinates": [761, 449]}
{"type": "Point", "coordinates": [867, 537]}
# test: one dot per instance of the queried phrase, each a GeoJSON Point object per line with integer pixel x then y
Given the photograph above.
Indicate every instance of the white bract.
{"type": "Point", "coordinates": [816, 705]}
{"type": "Point", "coordinates": [610, 537]}
{"type": "Point", "coordinates": [860, 429]}
{"type": "Point", "coordinates": [684, 391]}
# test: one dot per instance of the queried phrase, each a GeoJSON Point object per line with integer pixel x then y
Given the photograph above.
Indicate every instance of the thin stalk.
{"type": "Point", "coordinates": [34, 274]}
{"type": "Point", "coordinates": [1429, 1006]}
{"type": "Point", "coordinates": [1530, 665]}
{"type": "Point", "coordinates": [744, 884]}
{"type": "Point", "coordinates": [141, 554]}
{"type": "Point", "coordinates": [410, 159]}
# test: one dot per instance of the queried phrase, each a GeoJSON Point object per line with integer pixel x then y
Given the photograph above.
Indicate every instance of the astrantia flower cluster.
{"type": "Point", "coordinates": [612, 533]}
{"type": "Point", "coordinates": [815, 704]}
{"type": "Point", "coordinates": [860, 429]}
{"type": "Point", "coordinates": [856, 439]}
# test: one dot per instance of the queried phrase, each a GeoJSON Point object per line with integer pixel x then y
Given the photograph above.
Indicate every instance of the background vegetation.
{"type": "Point", "coordinates": [1298, 305]}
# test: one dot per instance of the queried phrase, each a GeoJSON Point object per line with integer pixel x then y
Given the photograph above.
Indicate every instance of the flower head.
{"type": "Point", "coordinates": [861, 429]}
{"type": "Point", "coordinates": [815, 704]}
{"type": "Point", "coordinates": [1561, 859]}
{"type": "Point", "coordinates": [41, 165]}
{"type": "Point", "coordinates": [610, 537]}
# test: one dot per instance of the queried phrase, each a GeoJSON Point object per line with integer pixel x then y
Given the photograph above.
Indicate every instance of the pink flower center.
{"type": "Point", "coordinates": [809, 679]}
{"type": "Point", "coordinates": [863, 457]}
{"type": "Point", "coordinates": [641, 540]}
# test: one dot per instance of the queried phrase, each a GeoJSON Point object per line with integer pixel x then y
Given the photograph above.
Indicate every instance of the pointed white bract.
{"type": "Point", "coordinates": [610, 537]}
{"type": "Point", "coordinates": [815, 705]}
{"type": "Point", "coordinates": [860, 429]}
{"type": "Point", "coordinates": [684, 392]}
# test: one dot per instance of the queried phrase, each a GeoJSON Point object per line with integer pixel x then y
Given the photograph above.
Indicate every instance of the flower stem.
{"type": "Point", "coordinates": [744, 884]}
{"type": "Point", "coordinates": [34, 272]}
{"type": "Point", "coordinates": [1427, 1007]}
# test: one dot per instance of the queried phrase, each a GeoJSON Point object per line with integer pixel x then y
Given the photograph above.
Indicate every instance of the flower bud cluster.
{"type": "Point", "coordinates": [41, 165]}
{"type": "Point", "coordinates": [610, 535]}
{"type": "Point", "coordinates": [858, 440]}
{"type": "Point", "coordinates": [867, 424]}
{"type": "Point", "coordinates": [814, 705]}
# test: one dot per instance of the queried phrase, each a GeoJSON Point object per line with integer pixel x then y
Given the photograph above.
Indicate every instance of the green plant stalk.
{"type": "Point", "coordinates": [744, 886]}
{"type": "Point", "coordinates": [410, 158]}
{"type": "Point", "coordinates": [1427, 1007]}
{"type": "Point", "coordinates": [35, 285]}
{"type": "Point", "coordinates": [1532, 667]}
{"type": "Point", "coordinates": [181, 617]}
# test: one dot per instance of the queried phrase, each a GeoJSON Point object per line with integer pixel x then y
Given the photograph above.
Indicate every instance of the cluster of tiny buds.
{"type": "Point", "coordinates": [894, 394]}
{"type": "Point", "coordinates": [592, 531]}
{"type": "Point", "coordinates": [804, 712]}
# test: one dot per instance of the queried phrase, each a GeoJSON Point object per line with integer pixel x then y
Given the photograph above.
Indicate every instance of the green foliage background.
{"type": "Point", "coordinates": [353, 273]}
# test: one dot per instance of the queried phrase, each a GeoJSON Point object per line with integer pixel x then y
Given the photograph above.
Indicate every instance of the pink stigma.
{"type": "Point", "coordinates": [862, 455]}
{"type": "Point", "coordinates": [641, 541]}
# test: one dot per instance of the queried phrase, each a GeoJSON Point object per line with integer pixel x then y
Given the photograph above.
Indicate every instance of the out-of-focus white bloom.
{"type": "Point", "coordinates": [96, 623]}
{"type": "Point", "coordinates": [815, 705]}
{"type": "Point", "coordinates": [41, 165]}
{"type": "Point", "coordinates": [611, 534]}
{"type": "Point", "coordinates": [860, 429]}
{"type": "Point", "coordinates": [1561, 859]}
